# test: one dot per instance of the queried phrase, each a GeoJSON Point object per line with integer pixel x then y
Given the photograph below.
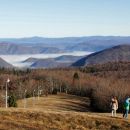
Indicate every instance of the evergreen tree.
{"type": "Point", "coordinates": [12, 101]}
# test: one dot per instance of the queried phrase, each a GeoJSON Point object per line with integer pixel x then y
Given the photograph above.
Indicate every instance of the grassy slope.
{"type": "Point", "coordinates": [60, 102]}
{"type": "Point", "coordinates": [58, 113]}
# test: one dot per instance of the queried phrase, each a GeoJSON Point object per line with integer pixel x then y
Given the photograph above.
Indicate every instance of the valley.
{"type": "Point", "coordinates": [65, 65]}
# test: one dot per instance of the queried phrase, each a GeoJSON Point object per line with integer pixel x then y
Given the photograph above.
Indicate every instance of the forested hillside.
{"type": "Point", "coordinates": [99, 83]}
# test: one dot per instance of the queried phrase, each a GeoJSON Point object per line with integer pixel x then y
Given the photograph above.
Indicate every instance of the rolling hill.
{"type": "Point", "coordinates": [68, 58]}
{"type": "Point", "coordinates": [49, 63]}
{"type": "Point", "coordinates": [61, 61]}
{"type": "Point", "coordinates": [114, 54]}
{"type": "Point", "coordinates": [31, 60]}
{"type": "Point", "coordinates": [4, 64]}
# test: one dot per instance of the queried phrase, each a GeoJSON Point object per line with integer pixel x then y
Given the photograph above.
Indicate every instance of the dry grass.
{"type": "Point", "coordinates": [58, 113]}
{"type": "Point", "coordinates": [60, 102]}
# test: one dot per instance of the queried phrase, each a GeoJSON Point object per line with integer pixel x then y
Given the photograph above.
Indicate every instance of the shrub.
{"type": "Point", "coordinates": [12, 101]}
{"type": "Point", "coordinates": [28, 95]}
{"type": "Point", "coordinates": [54, 91]}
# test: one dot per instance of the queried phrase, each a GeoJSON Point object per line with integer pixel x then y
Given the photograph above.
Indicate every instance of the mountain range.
{"type": "Point", "coordinates": [113, 54]}
{"type": "Point", "coordinates": [105, 48]}
{"type": "Point", "coordinates": [39, 45]}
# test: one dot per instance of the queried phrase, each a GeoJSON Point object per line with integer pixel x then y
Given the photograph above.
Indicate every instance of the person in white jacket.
{"type": "Point", "coordinates": [114, 106]}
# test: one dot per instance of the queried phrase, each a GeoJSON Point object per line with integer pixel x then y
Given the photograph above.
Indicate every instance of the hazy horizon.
{"type": "Point", "coordinates": [36, 36]}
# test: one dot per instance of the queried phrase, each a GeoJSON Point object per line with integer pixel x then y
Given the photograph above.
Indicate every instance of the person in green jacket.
{"type": "Point", "coordinates": [126, 107]}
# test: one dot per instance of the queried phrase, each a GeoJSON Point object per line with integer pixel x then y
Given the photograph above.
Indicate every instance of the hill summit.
{"type": "Point", "coordinates": [114, 54]}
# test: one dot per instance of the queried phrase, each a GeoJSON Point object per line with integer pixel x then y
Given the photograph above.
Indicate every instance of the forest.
{"type": "Point", "coordinates": [98, 82]}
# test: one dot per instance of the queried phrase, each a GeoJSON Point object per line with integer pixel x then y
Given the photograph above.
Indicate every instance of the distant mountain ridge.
{"type": "Point", "coordinates": [61, 61]}
{"type": "Point", "coordinates": [49, 63]}
{"type": "Point", "coordinates": [11, 48]}
{"type": "Point", "coordinates": [38, 45]}
{"type": "Point", "coordinates": [114, 54]}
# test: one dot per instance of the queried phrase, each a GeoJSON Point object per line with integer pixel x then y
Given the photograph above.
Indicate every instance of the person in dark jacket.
{"type": "Point", "coordinates": [126, 107]}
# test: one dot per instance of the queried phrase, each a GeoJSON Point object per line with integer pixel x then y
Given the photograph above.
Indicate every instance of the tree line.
{"type": "Point", "coordinates": [99, 84]}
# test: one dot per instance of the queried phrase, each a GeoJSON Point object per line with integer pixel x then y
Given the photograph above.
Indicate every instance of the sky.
{"type": "Point", "coordinates": [64, 18]}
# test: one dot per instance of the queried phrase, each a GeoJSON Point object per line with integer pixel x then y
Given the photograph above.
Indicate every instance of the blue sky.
{"type": "Point", "coordinates": [63, 18]}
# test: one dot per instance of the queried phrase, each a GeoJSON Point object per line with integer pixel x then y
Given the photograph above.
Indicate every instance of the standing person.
{"type": "Point", "coordinates": [114, 106]}
{"type": "Point", "coordinates": [126, 107]}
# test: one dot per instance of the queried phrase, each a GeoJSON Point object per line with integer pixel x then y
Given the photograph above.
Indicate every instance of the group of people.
{"type": "Point", "coordinates": [114, 106]}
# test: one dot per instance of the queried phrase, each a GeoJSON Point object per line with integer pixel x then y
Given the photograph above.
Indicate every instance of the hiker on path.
{"type": "Point", "coordinates": [114, 106]}
{"type": "Point", "coordinates": [126, 107]}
